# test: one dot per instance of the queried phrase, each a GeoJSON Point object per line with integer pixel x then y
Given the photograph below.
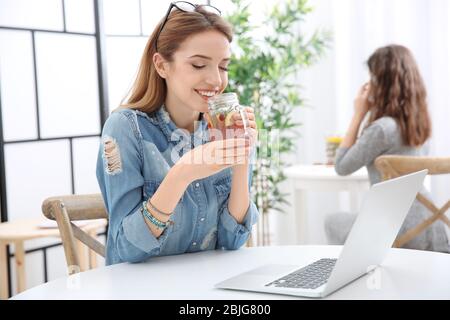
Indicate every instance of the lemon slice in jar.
{"type": "Point", "coordinates": [229, 119]}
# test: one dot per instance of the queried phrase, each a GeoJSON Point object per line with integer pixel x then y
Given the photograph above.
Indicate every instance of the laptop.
{"type": "Point", "coordinates": [383, 211]}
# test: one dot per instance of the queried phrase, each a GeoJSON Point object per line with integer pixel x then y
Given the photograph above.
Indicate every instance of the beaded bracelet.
{"type": "Point", "coordinates": [157, 223]}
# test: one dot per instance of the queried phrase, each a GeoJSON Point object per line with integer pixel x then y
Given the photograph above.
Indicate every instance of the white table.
{"type": "Point", "coordinates": [306, 178]}
{"type": "Point", "coordinates": [405, 274]}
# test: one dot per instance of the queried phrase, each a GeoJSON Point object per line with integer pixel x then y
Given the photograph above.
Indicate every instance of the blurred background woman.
{"type": "Point", "coordinates": [398, 123]}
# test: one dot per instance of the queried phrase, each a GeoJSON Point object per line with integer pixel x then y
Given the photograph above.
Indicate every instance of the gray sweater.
{"type": "Point", "coordinates": [383, 137]}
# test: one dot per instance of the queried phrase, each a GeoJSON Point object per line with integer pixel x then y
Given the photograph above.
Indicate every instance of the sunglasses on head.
{"type": "Point", "coordinates": [185, 6]}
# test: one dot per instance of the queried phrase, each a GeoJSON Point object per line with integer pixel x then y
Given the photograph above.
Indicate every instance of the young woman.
{"type": "Point", "coordinates": [167, 188]}
{"type": "Point", "coordinates": [398, 124]}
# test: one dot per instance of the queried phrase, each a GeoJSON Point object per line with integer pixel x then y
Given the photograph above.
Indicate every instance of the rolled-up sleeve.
{"type": "Point", "coordinates": [231, 234]}
{"type": "Point", "coordinates": [134, 241]}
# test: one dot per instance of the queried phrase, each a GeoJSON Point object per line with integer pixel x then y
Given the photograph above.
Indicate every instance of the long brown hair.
{"type": "Point", "coordinates": [398, 91]}
{"type": "Point", "coordinates": [149, 90]}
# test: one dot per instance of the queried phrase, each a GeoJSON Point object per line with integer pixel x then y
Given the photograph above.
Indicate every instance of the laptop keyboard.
{"type": "Point", "coordinates": [310, 277]}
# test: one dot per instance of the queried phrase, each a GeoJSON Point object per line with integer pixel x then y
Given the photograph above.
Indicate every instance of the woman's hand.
{"type": "Point", "coordinates": [361, 103]}
{"type": "Point", "coordinates": [212, 157]}
{"type": "Point", "coordinates": [361, 108]}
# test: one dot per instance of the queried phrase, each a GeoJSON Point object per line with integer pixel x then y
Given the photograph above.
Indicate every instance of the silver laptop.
{"type": "Point", "coordinates": [383, 211]}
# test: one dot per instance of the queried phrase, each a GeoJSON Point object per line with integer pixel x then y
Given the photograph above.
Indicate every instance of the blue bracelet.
{"type": "Point", "coordinates": [157, 223]}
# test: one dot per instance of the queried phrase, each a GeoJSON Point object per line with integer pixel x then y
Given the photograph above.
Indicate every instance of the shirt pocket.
{"type": "Point", "coordinates": [150, 187]}
{"type": "Point", "coordinates": [222, 187]}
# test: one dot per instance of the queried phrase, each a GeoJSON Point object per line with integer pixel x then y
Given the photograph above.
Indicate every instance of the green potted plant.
{"type": "Point", "coordinates": [263, 73]}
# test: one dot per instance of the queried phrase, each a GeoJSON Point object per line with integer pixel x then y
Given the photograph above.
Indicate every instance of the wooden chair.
{"type": "Point", "coordinates": [391, 166]}
{"type": "Point", "coordinates": [65, 209]}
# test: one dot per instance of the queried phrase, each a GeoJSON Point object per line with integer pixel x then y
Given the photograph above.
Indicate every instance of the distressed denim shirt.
{"type": "Point", "coordinates": [136, 152]}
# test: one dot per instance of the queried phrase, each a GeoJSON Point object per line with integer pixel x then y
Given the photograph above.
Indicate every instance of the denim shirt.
{"type": "Point", "coordinates": [136, 152]}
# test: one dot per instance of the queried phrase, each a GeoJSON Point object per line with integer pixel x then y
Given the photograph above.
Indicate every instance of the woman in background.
{"type": "Point", "coordinates": [398, 124]}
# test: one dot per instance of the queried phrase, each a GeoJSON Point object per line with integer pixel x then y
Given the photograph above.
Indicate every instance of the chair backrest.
{"type": "Point", "coordinates": [68, 208]}
{"type": "Point", "coordinates": [392, 166]}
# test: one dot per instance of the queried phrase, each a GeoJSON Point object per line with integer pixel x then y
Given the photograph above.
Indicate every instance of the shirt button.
{"type": "Point", "coordinates": [194, 243]}
{"type": "Point", "coordinates": [197, 185]}
{"type": "Point", "coordinates": [202, 219]}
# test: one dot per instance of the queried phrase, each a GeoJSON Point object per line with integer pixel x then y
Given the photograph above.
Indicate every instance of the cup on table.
{"type": "Point", "coordinates": [332, 143]}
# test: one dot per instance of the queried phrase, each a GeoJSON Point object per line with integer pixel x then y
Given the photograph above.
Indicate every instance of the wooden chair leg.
{"type": "Point", "coordinates": [4, 291]}
{"type": "Point", "coordinates": [81, 250]}
{"type": "Point", "coordinates": [20, 266]}
{"type": "Point", "coordinates": [414, 232]}
{"type": "Point", "coordinates": [92, 253]}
